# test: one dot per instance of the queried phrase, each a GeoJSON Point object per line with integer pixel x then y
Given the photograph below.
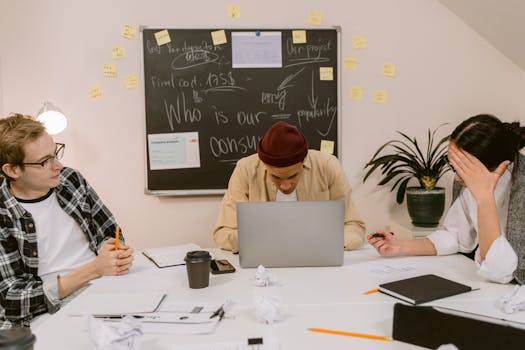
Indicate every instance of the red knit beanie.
{"type": "Point", "coordinates": [282, 145]}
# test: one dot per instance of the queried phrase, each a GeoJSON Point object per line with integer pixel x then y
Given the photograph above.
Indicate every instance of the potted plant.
{"type": "Point", "coordinates": [402, 160]}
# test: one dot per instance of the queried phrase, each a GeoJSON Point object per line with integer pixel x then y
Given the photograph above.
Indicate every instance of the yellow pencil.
{"type": "Point", "coordinates": [371, 291]}
{"type": "Point", "coordinates": [117, 232]}
{"type": "Point", "coordinates": [360, 335]}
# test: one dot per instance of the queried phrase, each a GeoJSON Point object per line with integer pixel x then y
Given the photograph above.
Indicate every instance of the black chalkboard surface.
{"type": "Point", "coordinates": [194, 86]}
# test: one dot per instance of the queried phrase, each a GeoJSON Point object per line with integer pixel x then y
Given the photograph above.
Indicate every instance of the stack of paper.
{"type": "Point", "coordinates": [114, 303]}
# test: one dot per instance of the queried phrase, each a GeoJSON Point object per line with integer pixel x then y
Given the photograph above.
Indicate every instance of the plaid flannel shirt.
{"type": "Point", "coordinates": [22, 295]}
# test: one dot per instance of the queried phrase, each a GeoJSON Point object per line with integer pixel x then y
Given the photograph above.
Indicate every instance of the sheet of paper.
{"type": "Point", "coordinates": [356, 93]}
{"type": "Point", "coordinates": [315, 18]}
{"type": "Point", "coordinates": [95, 92]}
{"type": "Point", "coordinates": [359, 42]}
{"type": "Point", "coordinates": [118, 52]}
{"type": "Point", "coordinates": [114, 303]}
{"type": "Point", "coordinates": [389, 70]}
{"type": "Point", "coordinates": [393, 268]}
{"type": "Point", "coordinates": [350, 63]}
{"type": "Point", "coordinates": [326, 73]}
{"type": "Point", "coordinates": [170, 256]}
{"type": "Point", "coordinates": [266, 343]}
{"type": "Point", "coordinates": [174, 151]}
{"type": "Point", "coordinates": [162, 37]}
{"type": "Point", "coordinates": [234, 11]}
{"type": "Point", "coordinates": [140, 278]}
{"type": "Point", "coordinates": [180, 328]}
{"type": "Point", "coordinates": [186, 318]}
{"type": "Point", "coordinates": [299, 36]}
{"type": "Point", "coordinates": [327, 146]}
{"type": "Point", "coordinates": [256, 50]}
{"type": "Point", "coordinates": [218, 37]}
{"type": "Point", "coordinates": [131, 81]}
{"type": "Point", "coordinates": [110, 70]}
{"type": "Point", "coordinates": [129, 31]}
{"type": "Point", "coordinates": [380, 96]}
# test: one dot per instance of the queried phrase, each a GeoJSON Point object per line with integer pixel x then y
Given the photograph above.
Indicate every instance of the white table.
{"type": "Point", "coordinates": [329, 297]}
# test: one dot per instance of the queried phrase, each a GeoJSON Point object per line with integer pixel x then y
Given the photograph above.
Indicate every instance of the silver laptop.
{"type": "Point", "coordinates": [291, 234]}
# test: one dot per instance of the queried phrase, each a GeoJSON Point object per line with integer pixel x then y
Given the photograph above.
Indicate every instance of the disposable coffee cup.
{"type": "Point", "coordinates": [198, 268]}
{"type": "Point", "coordinates": [17, 338]}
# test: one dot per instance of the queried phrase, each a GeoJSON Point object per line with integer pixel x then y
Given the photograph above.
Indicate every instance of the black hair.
{"type": "Point", "coordinates": [489, 139]}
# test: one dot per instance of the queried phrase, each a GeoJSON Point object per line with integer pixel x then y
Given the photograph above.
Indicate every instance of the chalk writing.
{"type": "Point", "coordinates": [190, 86]}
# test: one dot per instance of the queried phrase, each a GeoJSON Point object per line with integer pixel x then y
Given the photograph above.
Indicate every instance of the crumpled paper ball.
{"type": "Point", "coordinates": [263, 277]}
{"type": "Point", "coordinates": [268, 310]}
{"type": "Point", "coordinates": [514, 300]}
{"type": "Point", "coordinates": [124, 334]}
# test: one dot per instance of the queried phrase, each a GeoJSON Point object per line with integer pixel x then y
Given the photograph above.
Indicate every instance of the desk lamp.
{"type": "Point", "coordinates": [54, 120]}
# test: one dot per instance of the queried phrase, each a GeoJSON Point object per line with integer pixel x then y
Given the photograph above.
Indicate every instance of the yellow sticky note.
{"type": "Point", "coordinates": [359, 42]}
{"type": "Point", "coordinates": [327, 146]}
{"type": "Point", "coordinates": [380, 96]}
{"type": "Point", "coordinates": [118, 52]}
{"type": "Point", "coordinates": [219, 37]}
{"type": "Point", "coordinates": [350, 62]}
{"type": "Point", "coordinates": [95, 92]}
{"type": "Point", "coordinates": [129, 32]}
{"type": "Point", "coordinates": [315, 18]}
{"type": "Point", "coordinates": [110, 70]}
{"type": "Point", "coordinates": [389, 70]}
{"type": "Point", "coordinates": [162, 37]}
{"type": "Point", "coordinates": [234, 11]}
{"type": "Point", "coordinates": [131, 81]}
{"type": "Point", "coordinates": [326, 73]}
{"type": "Point", "coordinates": [356, 93]}
{"type": "Point", "coordinates": [299, 36]}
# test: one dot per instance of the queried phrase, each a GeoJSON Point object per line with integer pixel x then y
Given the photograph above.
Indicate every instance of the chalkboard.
{"type": "Point", "coordinates": [209, 100]}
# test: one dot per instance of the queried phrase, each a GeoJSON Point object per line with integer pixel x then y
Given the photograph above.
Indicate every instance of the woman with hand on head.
{"type": "Point", "coordinates": [487, 216]}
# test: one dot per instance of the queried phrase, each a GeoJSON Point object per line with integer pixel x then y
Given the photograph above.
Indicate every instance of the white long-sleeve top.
{"type": "Point", "coordinates": [460, 233]}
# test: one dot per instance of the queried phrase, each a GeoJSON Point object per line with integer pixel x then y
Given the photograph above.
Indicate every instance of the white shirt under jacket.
{"type": "Point", "coordinates": [460, 233]}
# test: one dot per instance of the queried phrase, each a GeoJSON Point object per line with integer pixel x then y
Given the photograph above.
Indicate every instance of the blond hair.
{"type": "Point", "coordinates": [16, 131]}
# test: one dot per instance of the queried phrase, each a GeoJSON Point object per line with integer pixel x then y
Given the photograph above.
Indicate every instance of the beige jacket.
{"type": "Point", "coordinates": [323, 178]}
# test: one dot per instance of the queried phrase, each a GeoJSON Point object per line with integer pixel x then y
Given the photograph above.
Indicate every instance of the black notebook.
{"type": "Point", "coordinates": [421, 289]}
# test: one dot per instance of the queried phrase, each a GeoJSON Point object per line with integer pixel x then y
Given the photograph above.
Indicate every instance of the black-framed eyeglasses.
{"type": "Point", "coordinates": [48, 162]}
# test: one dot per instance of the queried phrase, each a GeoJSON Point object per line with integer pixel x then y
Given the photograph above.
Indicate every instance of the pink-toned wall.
{"type": "Point", "coordinates": [55, 50]}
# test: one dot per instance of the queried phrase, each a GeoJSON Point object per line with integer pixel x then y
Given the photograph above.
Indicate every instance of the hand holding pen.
{"type": "Point", "coordinates": [113, 258]}
{"type": "Point", "coordinates": [384, 242]}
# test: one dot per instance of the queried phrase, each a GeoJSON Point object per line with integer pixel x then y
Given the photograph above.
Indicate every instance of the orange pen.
{"type": "Point", "coordinates": [117, 232]}
{"type": "Point", "coordinates": [360, 335]}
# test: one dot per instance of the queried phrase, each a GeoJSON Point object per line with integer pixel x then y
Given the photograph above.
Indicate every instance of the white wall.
{"type": "Point", "coordinates": [55, 50]}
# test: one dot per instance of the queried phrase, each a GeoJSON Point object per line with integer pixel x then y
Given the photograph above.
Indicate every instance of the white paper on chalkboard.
{"type": "Point", "coordinates": [256, 50]}
{"type": "Point", "coordinates": [174, 150]}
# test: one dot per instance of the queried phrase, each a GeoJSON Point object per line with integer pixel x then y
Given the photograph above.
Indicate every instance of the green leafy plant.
{"type": "Point", "coordinates": [406, 161]}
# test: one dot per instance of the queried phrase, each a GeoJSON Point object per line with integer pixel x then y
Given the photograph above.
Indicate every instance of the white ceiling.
{"type": "Point", "coordinates": [500, 22]}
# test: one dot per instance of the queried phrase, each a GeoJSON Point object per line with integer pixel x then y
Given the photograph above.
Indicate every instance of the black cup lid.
{"type": "Point", "coordinates": [197, 256]}
{"type": "Point", "coordinates": [16, 336]}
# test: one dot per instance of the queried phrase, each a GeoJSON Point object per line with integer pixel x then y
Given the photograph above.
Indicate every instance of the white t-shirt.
{"type": "Point", "coordinates": [281, 197]}
{"type": "Point", "coordinates": [62, 246]}
{"type": "Point", "coordinates": [459, 233]}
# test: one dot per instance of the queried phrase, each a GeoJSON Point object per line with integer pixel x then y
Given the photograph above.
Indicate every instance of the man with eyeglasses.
{"type": "Point", "coordinates": [55, 233]}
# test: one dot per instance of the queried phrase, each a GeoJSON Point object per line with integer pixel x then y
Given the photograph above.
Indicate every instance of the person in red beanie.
{"type": "Point", "coordinates": [284, 169]}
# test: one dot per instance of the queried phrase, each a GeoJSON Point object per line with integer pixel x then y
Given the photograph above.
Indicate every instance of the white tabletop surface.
{"type": "Point", "coordinates": [328, 297]}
